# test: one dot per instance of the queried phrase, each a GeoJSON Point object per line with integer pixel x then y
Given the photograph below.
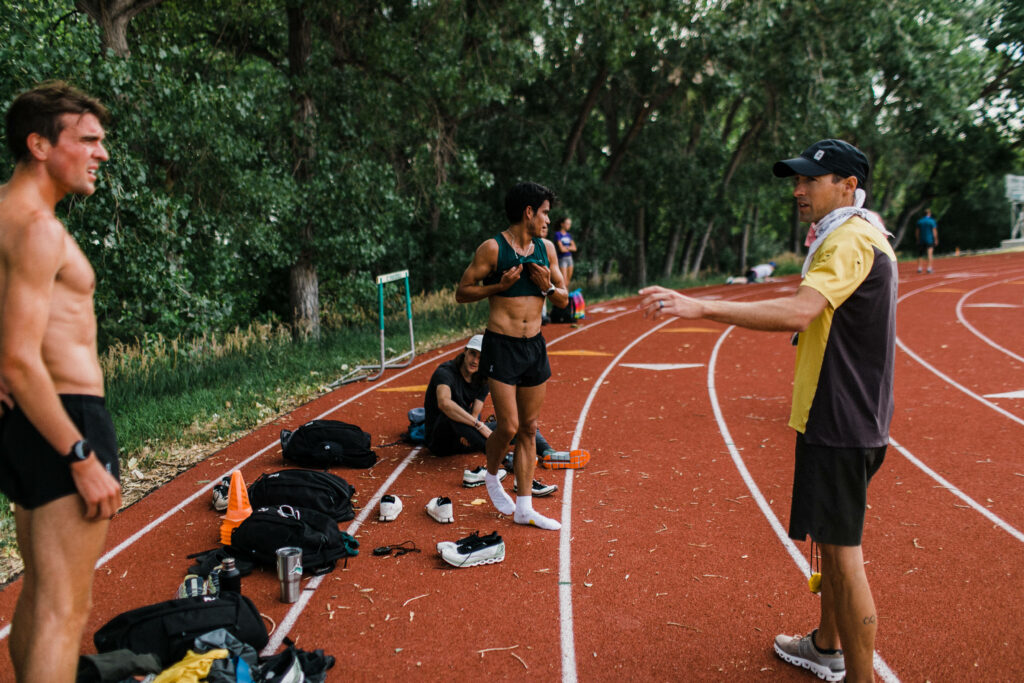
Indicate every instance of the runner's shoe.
{"type": "Point", "coordinates": [475, 476]}
{"type": "Point", "coordinates": [390, 506]}
{"type": "Point", "coordinates": [539, 489]}
{"type": "Point", "coordinates": [801, 651]}
{"type": "Point", "coordinates": [440, 509]}
{"type": "Point", "coordinates": [220, 494]}
{"type": "Point", "coordinates": [473, 550]}
{"type": "Point", "coordinates": [565, 460]}
{"type": "Point", "coordinates": [192, 586]}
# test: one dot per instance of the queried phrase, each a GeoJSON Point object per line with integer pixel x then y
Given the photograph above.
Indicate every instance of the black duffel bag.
{"type": "Point", "coordinates": [321, 491]}
{"type": "Point", "coordinates": [327, 443]}
{"type": "Point", "coordinates": [168, 629]}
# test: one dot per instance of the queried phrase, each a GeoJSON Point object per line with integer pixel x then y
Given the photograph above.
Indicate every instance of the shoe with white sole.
{"type": "Point", "coordinates": [440, 509]}
{"type": "Point", "coordinates": [473, 550]}
{"type": "Point", "coordinates": [539, 489]}
{"type": "Point", "coordinates": [390, 506]}
{"type": "Point", "coordinates": [220, 494]}
{"type": "Point", "coordinates": [801, 651]}
{"type": "Point", "coordinates": [475, 476]}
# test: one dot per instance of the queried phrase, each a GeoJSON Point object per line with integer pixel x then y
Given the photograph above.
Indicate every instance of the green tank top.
{"type": "Point", "coordinates": [508, 258]}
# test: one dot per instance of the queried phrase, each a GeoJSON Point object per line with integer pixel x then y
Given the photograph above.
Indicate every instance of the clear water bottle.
{"type": "Point", "coordinates": [230, 577]}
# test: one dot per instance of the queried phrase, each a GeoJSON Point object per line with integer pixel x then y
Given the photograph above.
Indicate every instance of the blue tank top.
{"type": "Point", "coordinates": [508, 258]}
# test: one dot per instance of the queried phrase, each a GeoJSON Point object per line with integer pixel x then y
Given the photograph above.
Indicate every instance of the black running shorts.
{"type": "Point", "coordinates": [32, 473]}
{"type": "Point", "coordinates": [830, 487]}
{"type": "Point", "coordinates": [517, 361]}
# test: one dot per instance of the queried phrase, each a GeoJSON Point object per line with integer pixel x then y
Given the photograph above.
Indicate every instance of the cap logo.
{"type": "Point", "coordinates": [819, 154]}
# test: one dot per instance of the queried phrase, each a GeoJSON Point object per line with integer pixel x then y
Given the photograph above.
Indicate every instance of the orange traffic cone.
{"type": "Point", "coordinates": [238, 507]}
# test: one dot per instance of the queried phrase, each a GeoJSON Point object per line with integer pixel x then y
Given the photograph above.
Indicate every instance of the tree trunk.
{"type": "Point", "coordinates": [640, 269]}
{"type": "Point", "coordinates": [303, 281]}
{"type": "Point", "coordinates": [112, 17]}
{"type": "Point", "coordinates": [695, 273]}
{"type": "Point", "coordinates": [581, 120]}
{"type": "Point", "coordinates": [745, 239]}
{"type": "Point", "coordinates": [673, 248]}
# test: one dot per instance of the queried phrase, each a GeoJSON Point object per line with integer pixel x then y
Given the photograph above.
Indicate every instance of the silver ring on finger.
{"type": "Point", "coordinates": [661, 304]}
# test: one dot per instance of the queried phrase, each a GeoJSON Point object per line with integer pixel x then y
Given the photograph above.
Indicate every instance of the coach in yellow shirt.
{"type": "Point", "coordinates": [845, 314]}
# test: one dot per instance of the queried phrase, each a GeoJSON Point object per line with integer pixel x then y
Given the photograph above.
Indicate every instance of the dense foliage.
{"type": "Point", "coordinates": [268, 157]}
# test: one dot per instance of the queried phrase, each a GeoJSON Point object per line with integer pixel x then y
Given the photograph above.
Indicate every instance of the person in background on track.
{"type": "Point", "coordinates": [845, 314]}
{"type": "Point", "coordinates": [927, 234]}
{"type": "Point", "coordinates": [453, 404]}
{"type": "Point", "coordinates": [512, 270]}
{"type": "Point", "coordinates": [58, 452]}
{"type": "Point", "coordinates": [757, 273]}
{"type": "Point", "coordinates": [566, 248]}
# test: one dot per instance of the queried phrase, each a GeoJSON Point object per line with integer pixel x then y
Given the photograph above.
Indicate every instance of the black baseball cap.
{"type": "Point", "coordinates": [824, 157]}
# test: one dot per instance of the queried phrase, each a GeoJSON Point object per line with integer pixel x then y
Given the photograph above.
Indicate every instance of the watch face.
{"type": "Point", "coordinates": [80, 451]}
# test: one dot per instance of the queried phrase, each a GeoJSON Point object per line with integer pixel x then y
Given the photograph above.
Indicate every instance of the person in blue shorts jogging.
{"type": "Point", "coordinates": [927, 234]}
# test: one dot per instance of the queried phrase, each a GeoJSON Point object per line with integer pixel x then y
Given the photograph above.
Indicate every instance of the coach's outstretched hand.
{"type": "Point", "coordinates": [658, 301]}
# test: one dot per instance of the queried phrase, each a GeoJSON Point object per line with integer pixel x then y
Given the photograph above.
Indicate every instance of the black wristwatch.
{"type": "Point", "coordinates": [79, 452]}
{"type": "Point", "coordinates": [549, 291]}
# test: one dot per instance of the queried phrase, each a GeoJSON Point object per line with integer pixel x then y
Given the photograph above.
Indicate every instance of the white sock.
{"type": "Point", "coordinates": [501, 500]}
{"type": "Point", "coordinates": [525, 514]}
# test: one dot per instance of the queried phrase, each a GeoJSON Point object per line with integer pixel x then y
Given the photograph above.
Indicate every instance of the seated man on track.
{"type": "Point", "coordinates": [455, 397]}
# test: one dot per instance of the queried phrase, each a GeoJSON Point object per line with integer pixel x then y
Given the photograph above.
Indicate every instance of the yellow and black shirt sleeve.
{"type": "Point", "coordinates": [842, 388]}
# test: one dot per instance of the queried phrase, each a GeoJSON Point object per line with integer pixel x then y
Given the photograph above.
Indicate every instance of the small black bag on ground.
{"type": "Point", "coordinates": [564, 315]}
{"type": "Point", "coordinates": [260, 534]}
{"type": "Point", "coordinates": [321, 491]}
{"type": "Point", "coordinates": [168, 629]}
{"type": "Point", "coordinates": [323, 443]}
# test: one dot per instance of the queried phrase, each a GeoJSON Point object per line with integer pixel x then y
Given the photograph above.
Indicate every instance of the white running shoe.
{"type": "Point", "coordinates": [390, 506]}
{"type": "Point", "coordinates": [440, 509]}
{"type": "Point", "coordinates": [475, 476]}
{"type": "Point", "coordinates": [220, 494]}
{"type": "Point", "coordinates": [473, 550]}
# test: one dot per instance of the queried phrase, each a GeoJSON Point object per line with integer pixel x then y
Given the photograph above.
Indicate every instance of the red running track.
{"type": "Point", "coordinates": [672, 562]}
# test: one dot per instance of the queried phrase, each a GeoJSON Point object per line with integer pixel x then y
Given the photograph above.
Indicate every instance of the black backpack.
{"type": "Point", "coordinates": [168, 629]}
{"type": "Point", "coordinates": [321, 491]}
{"type": "Point", "coordinates": [324, 443]}
{"type": "Point", "coordinates": [564, 315]}
{"type": "Point", "coordinates": [260, 534]}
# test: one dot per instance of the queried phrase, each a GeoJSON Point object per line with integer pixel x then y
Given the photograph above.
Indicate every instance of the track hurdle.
{"type": "Point", "coordinates": [400, 361]}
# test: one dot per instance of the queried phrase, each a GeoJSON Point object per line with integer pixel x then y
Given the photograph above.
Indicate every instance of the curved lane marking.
{"type": "Point", "coordinates": [975, 331]}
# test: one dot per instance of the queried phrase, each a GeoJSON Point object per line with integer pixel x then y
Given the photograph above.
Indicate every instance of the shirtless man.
{"type": "Point", "coordinates": [515, 271]}
{"type": "Point", "coordinates": [58, 452]}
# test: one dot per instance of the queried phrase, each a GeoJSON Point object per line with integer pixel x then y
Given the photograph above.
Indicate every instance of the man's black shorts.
{"type": "Point", "coordinates": [32, 472]}
{"type": "Point", "coordinates": [515, 360]}
{"type": "Point", "coordinates": [830, 487]}
{"type": "Point", "coordinates": [922, 249]}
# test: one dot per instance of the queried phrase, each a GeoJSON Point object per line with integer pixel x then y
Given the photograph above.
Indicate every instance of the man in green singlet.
{"type": "Point", "coordinates": [515, 271]}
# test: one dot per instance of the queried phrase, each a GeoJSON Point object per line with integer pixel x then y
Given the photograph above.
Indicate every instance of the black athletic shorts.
{"type": "Point", "coordinates": [922, 249]}
{"type": "Point", "coordinates": [32, 473]}
{"type": "Point", "coordinates": [517, 361]}
{"type": "Point", "coordinates": [830, 488]}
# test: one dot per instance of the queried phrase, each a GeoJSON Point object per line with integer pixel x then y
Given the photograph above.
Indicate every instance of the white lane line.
{"type": "Point", "coordinates": [977, 333]}
{"type": "Point", "coordinates": [1008, 394]}
{"type": "Point", "coordinates": [568, 638]}
{"type": "Point", "coordinates": [991, 516]}
{"type": "Point", "coordinates": [880, 666]}
{"type": "Point", "coordinates": [946, 378]}
{"type": "Point", "coordinates": [290, 619]}
{"type": "Point", "coordinates": [658, 367]}
{"type": "Point", "coordinates": [311, 586]}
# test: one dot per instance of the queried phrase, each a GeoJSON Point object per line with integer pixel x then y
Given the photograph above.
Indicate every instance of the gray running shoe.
{"type": "Point", "coordinates": [801, 651]}
{"type": "Point", "coordinates": [220, 494]}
